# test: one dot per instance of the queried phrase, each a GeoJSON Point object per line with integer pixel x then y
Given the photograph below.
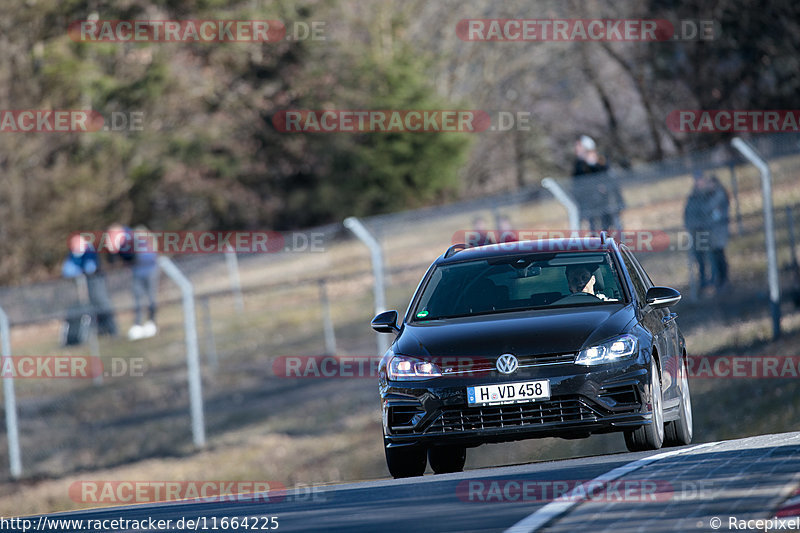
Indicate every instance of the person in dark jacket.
{"type": "Point", "coordinates": [706, 219]}
{"type": "Point", "coordinates": [144, 267]}
{"type": "Point", "coordinates": [82, 260]}
{"type": "Point", "coordinates": [719, 213]}
{"type": "Point", "coordinates": [597, 194]}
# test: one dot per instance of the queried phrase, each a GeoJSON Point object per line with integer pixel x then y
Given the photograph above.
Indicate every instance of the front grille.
{"type": "Point", "coordinates": [518, 415]}
{"type": "Point", "coordinates": [551, 359]}
{"type": "Point", "coordinates": [462, 365]}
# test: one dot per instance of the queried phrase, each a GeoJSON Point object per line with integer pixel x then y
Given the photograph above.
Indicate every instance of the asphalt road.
{"type": "Point", "coordinates": [674, 489]}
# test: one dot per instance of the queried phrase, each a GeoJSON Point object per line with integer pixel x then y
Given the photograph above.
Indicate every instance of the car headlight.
{"type": "Point", "coordinates": [615, 349]}
{"type": "Point", "coordinates": [403, 368]}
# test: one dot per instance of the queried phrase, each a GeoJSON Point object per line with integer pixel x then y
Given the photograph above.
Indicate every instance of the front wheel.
{"type": "Point", "coordinates": [447, 459]}
{"type": "Point", "coordinates": [679, 432]}
{"type": "Point", "coordinates": [651, 436]}
{"type": "Point", "coordinates": [406, 461]}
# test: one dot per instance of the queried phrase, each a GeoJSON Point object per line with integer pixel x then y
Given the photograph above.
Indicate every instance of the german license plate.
{"type": "Point", "coordinates": [503, 393]}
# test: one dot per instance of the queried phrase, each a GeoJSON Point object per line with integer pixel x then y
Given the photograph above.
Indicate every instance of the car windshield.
{"type": "Point", "coordinates": [516, 283]}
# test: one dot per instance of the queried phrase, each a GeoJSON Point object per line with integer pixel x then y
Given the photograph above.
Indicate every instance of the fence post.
{"type": "Point", "coordinates": [735, 191]}
{"type": "Point", "coordinates": [566, 200]}
{"type": "Point", "coordinates": [208, 326]}
{"type": "Point", "coordinates": [192, 357]}
{"type": "Point", "coordinates": [233, 273]}
{"type": "Point", "coordinates": [792, 242]}
{"type": "Point", "coordinates": [363, 234]}
{"type": "Point", "coordinates": [327, 322]}
{"type": "Point", "coordinates": [10, 399]}
{"type": "Point", "coordinates": [769, 231]}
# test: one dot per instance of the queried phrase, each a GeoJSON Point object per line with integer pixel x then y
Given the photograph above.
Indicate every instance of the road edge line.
{"type": "Point", "coordinates": [558, 507]}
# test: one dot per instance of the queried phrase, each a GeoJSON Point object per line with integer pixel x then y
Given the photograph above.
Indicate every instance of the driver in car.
{"type": "Point", "coordinates": [580, 278]}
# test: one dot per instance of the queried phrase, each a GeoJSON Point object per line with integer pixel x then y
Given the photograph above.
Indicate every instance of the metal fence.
{"type": "Point", "coordinates": [312, 302]}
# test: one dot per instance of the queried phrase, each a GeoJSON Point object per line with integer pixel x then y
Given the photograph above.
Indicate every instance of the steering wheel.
{"type": "Point", "coordinates": [577, 297]}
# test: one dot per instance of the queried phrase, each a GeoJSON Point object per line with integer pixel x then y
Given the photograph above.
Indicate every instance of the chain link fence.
{"type": "Point", "coordinates": [140, 408]}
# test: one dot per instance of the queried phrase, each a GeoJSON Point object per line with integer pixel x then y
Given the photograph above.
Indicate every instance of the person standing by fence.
{"type": "Point", "coordinates": [706, 218]}
{"type": "Point", "coordinates": [719, 207]}
{"type": "Point", "coordinates": [82, 260]}
{"type": "Point", "coordinates": [140, 256]}
{"type": "Point", "coordinates": [597, 194]}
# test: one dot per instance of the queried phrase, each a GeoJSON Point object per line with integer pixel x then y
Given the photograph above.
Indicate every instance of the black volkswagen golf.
{"type": "Point", "coordinates": [551, 338]}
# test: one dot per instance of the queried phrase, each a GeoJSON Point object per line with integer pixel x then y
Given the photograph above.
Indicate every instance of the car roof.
{"type": "Point", "coordinates": [463, 252]}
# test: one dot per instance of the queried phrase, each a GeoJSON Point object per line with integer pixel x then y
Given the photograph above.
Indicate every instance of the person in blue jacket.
{"type": "Point", "coordinates": [82, 260]}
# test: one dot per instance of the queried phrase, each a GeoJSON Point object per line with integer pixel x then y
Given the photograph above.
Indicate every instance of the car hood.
{"type": "Point", "coordinates": [546, 331]}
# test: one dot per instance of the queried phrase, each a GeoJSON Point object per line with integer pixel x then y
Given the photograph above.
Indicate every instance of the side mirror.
{"type": "Point", "coordinates": [385, 322]}
{"type": "Point", "coordinates": [658, 297]}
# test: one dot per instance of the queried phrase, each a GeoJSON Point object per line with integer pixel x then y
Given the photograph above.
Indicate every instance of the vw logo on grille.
{"type": "Point", "coordinates": [507, 363]}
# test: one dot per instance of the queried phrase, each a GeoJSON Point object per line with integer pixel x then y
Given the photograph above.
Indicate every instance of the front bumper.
{"type": "Point", "coordinates": [583, 401]}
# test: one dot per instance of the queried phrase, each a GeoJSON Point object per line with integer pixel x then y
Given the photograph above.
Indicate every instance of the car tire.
{"type": "Point", "coordinates": [406, 461]}
{"type": "Point", "coordinates": [447, 459]}
{"type": "Point", "coordinates": [679, 432]}
{"type": "Point", "coordinates": [651, 436]}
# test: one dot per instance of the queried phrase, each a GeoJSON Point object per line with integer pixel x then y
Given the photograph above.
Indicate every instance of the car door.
{"type": "Point", "coordinates": [661, 322]}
